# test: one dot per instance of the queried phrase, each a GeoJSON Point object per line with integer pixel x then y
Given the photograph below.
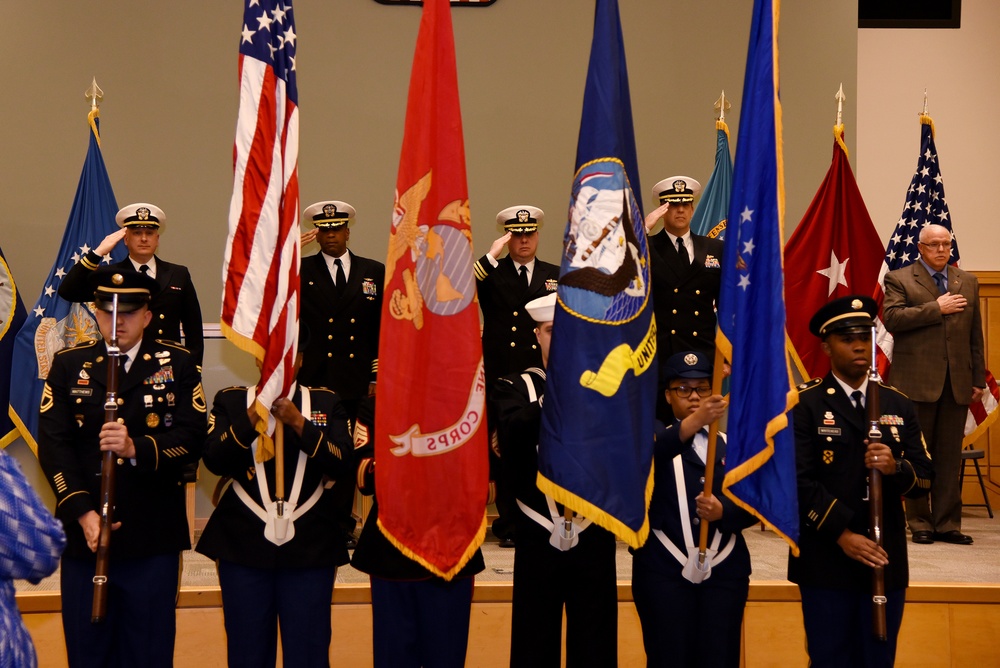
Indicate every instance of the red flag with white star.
{"type": "Point", "coordinates": [834, 252]}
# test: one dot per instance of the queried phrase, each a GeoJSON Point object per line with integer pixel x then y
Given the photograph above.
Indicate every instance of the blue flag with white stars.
{"type": "Point", "coordinates": [760, 451]}
{"type": "Point", "coordinates": [54, 323]}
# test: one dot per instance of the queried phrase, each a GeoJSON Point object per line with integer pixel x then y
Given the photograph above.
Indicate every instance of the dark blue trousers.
{"type": "Point", "coordinates": [421, 623]}
{"type": "Point", "coordinates": [839, 628]}
{"type": "Point", "coordinates": [256, 600]}
{"type": "Point", "coordinates": [141, 622]}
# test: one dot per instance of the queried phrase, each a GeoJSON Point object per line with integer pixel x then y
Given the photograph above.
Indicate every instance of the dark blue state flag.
{"type": "Point", "coordinates": [54, 323]}
{"type": "Point", "coordinates": [760, 456]}
{"type": "Point", "coordinates": [596, 444]}
{"type": "Point", "coordinates": [12, 316]}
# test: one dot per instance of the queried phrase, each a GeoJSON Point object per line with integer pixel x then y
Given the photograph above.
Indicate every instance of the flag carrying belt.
{"type": "Point", "coordinates": [292, 512]}
{"type": "Point", "coordinates": [555, 526]}
{"type": "Point", "coordinates": [689, 561]}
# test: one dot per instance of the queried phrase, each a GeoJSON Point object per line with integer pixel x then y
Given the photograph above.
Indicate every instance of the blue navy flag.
{"type": "Point", "coordinates": [54, 323]}
{"type": "Point", "coordinates": [709, 219]}
{"type": "Point", "coordinates": [12, 316]}
{"type": "Point", "coordinates": [760, 451]}
{"type": "Point", "coordinates": [596, 444]}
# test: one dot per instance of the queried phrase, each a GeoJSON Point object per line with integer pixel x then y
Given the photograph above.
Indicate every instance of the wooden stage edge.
{"type": "Point", "coordinates": [762, 591]}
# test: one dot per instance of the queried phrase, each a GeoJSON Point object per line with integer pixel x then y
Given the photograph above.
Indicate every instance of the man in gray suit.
{"type": "Point", "coordinates": [932, 311]}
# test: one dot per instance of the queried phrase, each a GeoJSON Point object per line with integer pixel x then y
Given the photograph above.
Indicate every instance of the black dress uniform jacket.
{"type": "Point", "coordinates": [163, 406]}
{"type": "Point", "coordinates": [342, 353]}
{"type": "Point", "coordinates": [665, 513]}
{"type": "Point", "coordinates": [375, 555]}
{"type": "Point", "coordinates": [583, 578]}
{"type": "Point", "coordinates": [234, 533]}
{"type": "Point", "coordinates": [684, 296]}
{"type": "Point", "coordinates": [509, 342]}
{"type": "Point", "coordinates": [174, 305]}
{"type": "Point", "coordinates": [833, 480]}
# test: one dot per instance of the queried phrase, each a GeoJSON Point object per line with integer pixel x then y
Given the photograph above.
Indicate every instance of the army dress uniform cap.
{"type": "Point", "coordinates": [676, 189]}
{"type": "Point", "coordinates": [690, 364]}
{"type": "Point", "coordinates": [330, 214]}
{"type": "Point", "coordinates": [141, 215]}
{"type": "Point", "coordinates": [846, 315]}
{"type": "Point", "coordinates": [134, 290]}
{"type": "Point", "coordinates": [542, 309]}
{"type": "Point", "coordinates": [520, 219]}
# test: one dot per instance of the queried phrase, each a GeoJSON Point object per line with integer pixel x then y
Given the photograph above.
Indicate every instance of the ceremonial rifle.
{"type": "Point", "coordinates": [107, 509]}
{"type": "Point", "coordinates": [875, 499]}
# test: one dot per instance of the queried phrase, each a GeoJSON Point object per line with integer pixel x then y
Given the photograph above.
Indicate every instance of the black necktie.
{"type": "Point", "coordinates": [144, 269]}
{"type": "Point", "coordinates": [122, 361]}
{"type": "Point", "coordinates": [341, 279]}
{"type": "Point", "coordinates": [941, 281]}
{"type": "Point", "coordinates": [682, 252]}
{"type": "Point", "coordinates": [524, 275]}
{"type": "Point", "coordinates": [858, 403]}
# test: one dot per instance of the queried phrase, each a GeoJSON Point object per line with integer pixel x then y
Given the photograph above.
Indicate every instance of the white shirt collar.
{"type": "Point", "coordinates": [151, 264]}
{"type": "Point", "coordinates": [345, 262]}
{"type": "Point", "coordinates": [848, 390]}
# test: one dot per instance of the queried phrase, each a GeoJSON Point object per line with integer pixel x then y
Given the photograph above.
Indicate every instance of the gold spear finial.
{"type": "Point", "coordinates": [722, 105]}
{"type": "Point", "coordinates": [94, 94]}
{"type": "Point", "coordinates": [840, 97]}
{"type": "Point", "coordinates": [925, 102]}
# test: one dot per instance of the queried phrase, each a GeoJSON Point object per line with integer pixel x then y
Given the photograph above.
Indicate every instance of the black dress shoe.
{"type": "Point", "coordinates": [923, 537]}
{"type": "Point", "coordinates": [351, 542]}
{"type": "Point", "coordinates": [506, 542]}
{"type": "Point", "coordinates": [955, 537]}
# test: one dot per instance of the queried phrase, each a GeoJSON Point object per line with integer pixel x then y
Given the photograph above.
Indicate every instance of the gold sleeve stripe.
{"type": "Point", "coordinates": [47, 400]}
{"type": "Point", "coordinates": [375, 365]}
{"type": "Point", "coordinates": [826, 513]}
{"type": "Point", "coordinates": [360, 435]}
{"type": "Point", "coordinates": [156, 451]}
{"type": "Point", "coordinates": [363, 469]}
{"type": "Point", "coordinates": [480, 272]}
{"type": "Point", "coordinates": [68, 496]}
{"type": "Point", "coordinates": [86, 262]}
{"type": "Point", "coordinates": [60, 483]}
{"type": "Point", "coordinates": [211, 422]}
{"type": "Point", "coordinates": [233, 433]}
{"type": "Point", "coordinates": [198, 399]}
{"type": "Point", "coordinates": [335, 451]}
{"type": "Point", "coordinates": [319, 440]}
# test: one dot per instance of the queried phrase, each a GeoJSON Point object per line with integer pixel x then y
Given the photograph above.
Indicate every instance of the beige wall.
{"type": "Point", "coordinates": [959, 70]}
{"type": "Point", "coordinates": [170, 80]}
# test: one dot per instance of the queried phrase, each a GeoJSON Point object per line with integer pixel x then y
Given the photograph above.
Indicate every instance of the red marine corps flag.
{"type": "Point", "coordinates": [431, 442]}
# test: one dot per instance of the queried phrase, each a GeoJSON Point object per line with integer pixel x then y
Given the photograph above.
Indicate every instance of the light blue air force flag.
{"type": "Point", "coordinates": [710, 218]}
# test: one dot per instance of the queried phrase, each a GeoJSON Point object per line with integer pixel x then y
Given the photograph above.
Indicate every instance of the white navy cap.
{"type": "Point", "coordinates": [522, 218]}
{"type": "Point", "coordinates": [329, 214]}
{"type": "Point", "coordinates": [140, 215]}
{"type": "Point", "coordinates": [542, 309]}
{"type": "Point", "coordinates": [676, 189]}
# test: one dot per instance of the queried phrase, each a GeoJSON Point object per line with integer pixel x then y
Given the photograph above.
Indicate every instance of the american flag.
{"type": "Point", "coordinates": [925, 205]}
{"type": "Point", "coordinates": [260, 303]}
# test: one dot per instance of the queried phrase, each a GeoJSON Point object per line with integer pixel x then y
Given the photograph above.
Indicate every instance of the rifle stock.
{"type": "Point", "coordinates": [100, 603]}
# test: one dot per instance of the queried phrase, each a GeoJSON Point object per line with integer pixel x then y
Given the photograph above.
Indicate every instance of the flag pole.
{"type": "Point", "coordinates": [840, 97]}
{"type": "Point", "coordinates": [94, 94]}
{"type": "Point", "coordinates": [713, 436]}
{"type": "Point", "coordinates": [722, 105]}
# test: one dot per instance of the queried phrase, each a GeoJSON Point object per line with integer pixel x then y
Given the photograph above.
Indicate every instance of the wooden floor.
{"type": "Point", "coordinates": [945, 624]}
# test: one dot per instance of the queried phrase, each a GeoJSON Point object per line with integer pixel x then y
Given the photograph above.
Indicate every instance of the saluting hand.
{"type": "Point", "coordinates": [861, 548]}
{"type": "Point", "coordinates": [109, 242]}
{"type": "Point", "coordinates": [308, 237]}
{"type": "Point", "coordinates": [114, 437]}
{"type": "Point", "coordinates": [498, 245]}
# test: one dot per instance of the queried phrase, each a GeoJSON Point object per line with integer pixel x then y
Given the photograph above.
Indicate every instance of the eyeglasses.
{"type": "Point", "coordinates": [684, 391]}
{"type": "Point", "coordinates": [944, 245]}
